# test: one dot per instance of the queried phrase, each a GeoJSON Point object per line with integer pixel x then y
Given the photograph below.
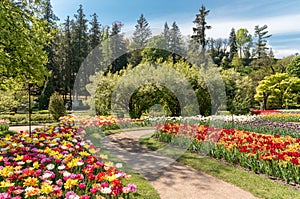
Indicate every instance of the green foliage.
{"type": "Point", "coordinates": [201, 26]}
{"type": "Point", "coordinates": [232, 44]}
{"type": "Point", "coordinates": [279, 90]}
{"type": "Point", "coordinates": [179, 88]}
{"type": "Point", "coordinates": [261, 45]}
{"type": "Point", "coordinates": [22, 119]}
{"type": "Point", "coordinates": [294, 67]}
{"type": "Point", "coordinates": [243, 41]}
{"type": "Point", "coordinates": [56, 106]}
{"type": "Point", "coordinates": [239, 91]}
{"type": "Point", "coordinates": [13, 97]}
{"type": "Point", "coordinates": [23, 36]}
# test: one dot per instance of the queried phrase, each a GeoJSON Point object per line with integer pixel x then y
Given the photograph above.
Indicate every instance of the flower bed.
{"type": "Point", "coordinates": [281, 117]}
{"type": "Point", "coordinates": [262, 112]}
{"type": "Point", "coordinates": [58, 163]}
{"type": "Point", "coordinates": [269, 154]}
{"type": "Point", "coordinates": [104, 122]}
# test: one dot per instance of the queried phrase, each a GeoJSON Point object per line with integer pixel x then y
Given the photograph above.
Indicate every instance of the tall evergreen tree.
{"type": "Point", "coordinates": [166, 35]}
{"type": "Point", "coordinates": [94, 36]}
{"type": "Point", "coordinates": [232, 44]}
{"type": "Point", "coordinates": [262, 34]}
{"type": "Point", "coordinates": [118, 48]}
{"type": "Point", "coordinates": [52, 82]}
{"type": "Point", "coordinates": [68, 74]}
{"type": "Point", "coordinates": [201, 26]}
{"type": "Point", "coordinates": [80, 44]}
{"type": "Point", "coordinates": [141, 34]}
{"type": "Point", "coordinates": [176, 43]}
{"type": "Point", "coordinates": [140, 37]}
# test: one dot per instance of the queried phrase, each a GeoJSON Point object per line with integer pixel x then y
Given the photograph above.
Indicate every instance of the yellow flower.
{"type": "Point", "coordinates": [84, 153]}
{"type": "Point", "coordinates": [28, 140]}
{"type": "Point", "coordinates": [46, 188]}
{"type": "Point", "coordinates": [6, 183]}
{"type": "Point", "coordinates": [36, 165]}
{"type": "Point", "coordinates": [31, 181]}
{"type": "Point", "coordinates": [111, 178]}
{"type": "Point", "coordinates": [93, 151]}
{"type": "Point", "coordinates": [19, 157]}
{"type": "Point", "coordinates": [70, 183]}
{"type": "Point", "coordinates": [73, 163]}
{"type": "Point", "coordinates": [7, 171]}
{"type": "Point", "coordinates": [7, 138]}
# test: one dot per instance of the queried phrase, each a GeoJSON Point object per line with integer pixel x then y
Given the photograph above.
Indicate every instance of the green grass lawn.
{"type": "Point", "coordinates": [259, 186]}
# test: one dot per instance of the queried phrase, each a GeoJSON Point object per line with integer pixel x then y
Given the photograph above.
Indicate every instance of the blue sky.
{"type": "Point", "coordinates": [282, 17]}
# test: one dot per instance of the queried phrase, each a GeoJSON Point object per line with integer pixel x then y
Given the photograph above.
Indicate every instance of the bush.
{"type": "Point", "coordinates": [22, 119]}
{"type": "Point", "coordinates": [56, 106]}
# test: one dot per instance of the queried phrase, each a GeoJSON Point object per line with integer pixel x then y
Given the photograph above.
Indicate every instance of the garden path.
{"type": "Point", "coordinates": [23, 128]}
{"type": "Point", "coordinates": [170, 178]}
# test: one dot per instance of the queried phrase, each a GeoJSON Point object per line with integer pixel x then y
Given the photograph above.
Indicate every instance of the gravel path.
{"type": "Point", "coordinates": [171, 179]}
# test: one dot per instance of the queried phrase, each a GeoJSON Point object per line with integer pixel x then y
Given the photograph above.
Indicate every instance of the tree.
{"type": "Point", "coordinates": [68, 74]}
{"type": "Point", "coordinates": [243, 41]}
{"type": "Point", "coordinates": [294, 67]}
{"type": "Point", "coordinates": [175, 43]}
{"type": "Point", "coordinates": [201, 26]}
{"type": "Point", "coordinates": [156, 50]}
{"type": "Point", "coordinates": [140, 37]}
{"type": "Point", "coordinates": [217, 49]}
{"type": "Point", "coordinates": [52, 82]}
{"type": "Point", "coordinates": [23, 36]}
{"type": "Point", "coordinates": [232, 44]}
{"type": "Point", "coordinates": [239, 91]}
{"type": "Point", "coordinates": [56, 106]}
{"type": "Point", "coordinates": [141, 34]}
{"type": "Point", "coordinates": [80, 47]}
{"type": "Point", "coordinates": [166, 35]}
{"type": "Point", "coordinates": [262, 34]}
{"type": "Point", "coordinates": [94, 36]}
{"type": "Point", "coordinates": [279, 90]}
{"type": "Point", "coordinates": [118, 48]}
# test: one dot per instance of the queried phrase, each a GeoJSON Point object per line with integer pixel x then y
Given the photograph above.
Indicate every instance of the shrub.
{"type": "Point", "coordinates": [56, 106]}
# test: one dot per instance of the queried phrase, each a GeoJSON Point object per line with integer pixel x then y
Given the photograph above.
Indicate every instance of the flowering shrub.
{"type": "Point", "coordinates": [270, 154]}
{"type": "Point", "coordinates": [4, 125]}
{"type": "Point", "coordinates": [58, 162]}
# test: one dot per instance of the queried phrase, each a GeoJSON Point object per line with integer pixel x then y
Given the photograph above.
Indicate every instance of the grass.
{"type": "Point", "coordinates": [257, 185]}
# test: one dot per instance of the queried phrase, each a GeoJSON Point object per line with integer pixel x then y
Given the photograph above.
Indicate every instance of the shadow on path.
{"type": "Point", "coordinates": [170, 178]}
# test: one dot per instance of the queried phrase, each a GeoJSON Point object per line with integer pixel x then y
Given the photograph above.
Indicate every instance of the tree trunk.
{"type": "Point", "coordinates": [265, 99]}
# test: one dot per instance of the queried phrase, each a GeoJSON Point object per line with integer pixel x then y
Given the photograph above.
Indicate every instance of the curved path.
{"type": "Point", "coordinates": [170, 178]}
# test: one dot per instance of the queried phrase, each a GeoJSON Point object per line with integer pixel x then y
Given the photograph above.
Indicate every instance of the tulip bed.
{"type": "Point", "coordinates": [58, 162]}
{"type": "Point", "coordinates": [281, 117]}
{"type": "Point", "coordinates": [276, 156]}
{"type": "Point", "coordinates": [103, 122]}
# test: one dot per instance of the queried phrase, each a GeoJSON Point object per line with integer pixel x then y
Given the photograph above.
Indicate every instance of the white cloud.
{"type": "Point", "coordinates": [277, 25]}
